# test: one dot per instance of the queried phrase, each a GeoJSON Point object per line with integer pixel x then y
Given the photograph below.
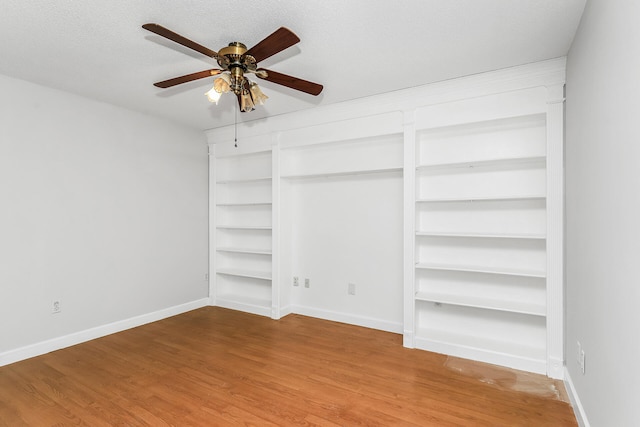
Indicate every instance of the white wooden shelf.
{"type": "Point", "coordinates": [342, 173]}
{"type": "Point", "coordinates": [243, 227]}
{"type": "Point", "coordinates": [245, 204]}
{"type": "Point", "coordinates": [483, 163]}
{"type": "Point", "coordinates": [489, 235]}
{"type": "Point", "coordinates": [480, 197]}
{"type": "Point", "coordinates": [262, 275]}
{"type": "Point", "coordinates": [245, 250]}
{"type": "Point", "coordinates": [244, 212]}
{"type": "Point", "coordinates": [483, 269]}
{"type": "Point", "coordinates": [244, 180]}
{"type": "Point", "coordinates": [497, 198]}
{"type": "Point", "coordinates": [522, 307]}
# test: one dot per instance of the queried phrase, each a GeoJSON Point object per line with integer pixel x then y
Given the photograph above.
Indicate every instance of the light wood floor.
{"type": "Point", "coordinates": [213, 367]}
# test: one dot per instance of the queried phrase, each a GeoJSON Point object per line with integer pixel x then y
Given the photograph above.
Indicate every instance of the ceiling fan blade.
{"type": "Point", "coordinates": [187, 78]}
{"type": "Point", "coordinates": [292, 82]}
{"type": "Point", "coordinates": [168, 34]}
{"type": "Point", "coordinates": [279, 40]}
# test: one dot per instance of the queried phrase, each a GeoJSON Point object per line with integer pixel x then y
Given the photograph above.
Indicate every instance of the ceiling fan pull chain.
{"type": "Point", "coordinates": [235, 127]}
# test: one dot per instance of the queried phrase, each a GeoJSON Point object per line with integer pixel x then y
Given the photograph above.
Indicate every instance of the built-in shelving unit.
{"type": "Point", "coordinates": [441, 207]}
{"type": "Point", "coordinates": [243, 223]}
{"type": "Point", "coordinates": [480, 240]}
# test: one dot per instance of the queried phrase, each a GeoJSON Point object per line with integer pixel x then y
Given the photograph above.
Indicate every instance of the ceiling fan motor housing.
{"type": "Point", "coordinates": [234, 51]}
{"type": "Point", "coordinates": [232, 58]}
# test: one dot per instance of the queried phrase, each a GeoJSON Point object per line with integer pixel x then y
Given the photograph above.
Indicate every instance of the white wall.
{"type": "Point", "coordinates": [602, 211]}
{"type": "Point", "coordinates": [349, 230]}
{"type": "Point", "coordinates": [102, 208]}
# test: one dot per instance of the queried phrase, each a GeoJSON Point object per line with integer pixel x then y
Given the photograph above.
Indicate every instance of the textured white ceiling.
{"type": "Point", "coordinates": [355, 48]}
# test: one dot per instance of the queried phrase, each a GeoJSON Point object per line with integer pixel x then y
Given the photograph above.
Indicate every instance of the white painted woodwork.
{"type": "Point", "coordinates": [409, 211]}
{"type": "Point", "coordinates": [243, 217]}
{"type": "Point", "coordinates": [480, 245]}
{"type": "Point", "coordinates": [555, 231]}
{"type": "Point", "coordinates": [446, 215]}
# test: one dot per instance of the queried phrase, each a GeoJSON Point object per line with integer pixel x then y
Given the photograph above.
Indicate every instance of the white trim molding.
{"type": "Point", "coordinates": [409, 177]}
{"type": "Point", "coordinates": [543, 73]}
{"type": "Point", "coordinates": [335, 316]}
{"type": "Point", "coordinates": [58, 343]}
{"type": "Point", "coordinates": [578, 409]}
{"type": "Point", "coordinates": [555, 231]}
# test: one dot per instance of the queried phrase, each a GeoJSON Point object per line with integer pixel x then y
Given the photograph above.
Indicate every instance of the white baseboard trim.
{"type": "Point", "coordinates": [285, 311]}
{"type": "Point", "coordinates": [481, 354]}
{"type": "Point", "coordinates": [367, 322]}
{"type": "Point", "coordinates": [578, 410]}
{"type": "Point", "coordinates": [58, 343]}
{"type": "Point", "coordinates": [555, 368]}
{"type": "Point", "coordinates": [408, 339]}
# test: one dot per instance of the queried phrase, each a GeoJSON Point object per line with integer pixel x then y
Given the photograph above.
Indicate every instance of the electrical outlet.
{"type": "Point", "coordinates": [55, 307]}
{"type": "Point", "coordinates": [296, 281]}
{"type": "Point", "coordinates": [582, 361]}
{"type": "Point", "coordinates": [351, 288]}
{"type": "Point", "coordinates": [307, 283]}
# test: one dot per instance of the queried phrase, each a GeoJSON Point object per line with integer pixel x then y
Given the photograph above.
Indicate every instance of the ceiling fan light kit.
{"type": "Point", "coordinates": [236, 61]}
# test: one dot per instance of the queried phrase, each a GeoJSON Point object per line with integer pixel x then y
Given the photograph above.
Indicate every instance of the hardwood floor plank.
{"type": "Point", "coordinates": [220, 367]}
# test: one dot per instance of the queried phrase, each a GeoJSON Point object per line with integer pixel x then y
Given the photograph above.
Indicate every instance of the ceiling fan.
{"type": "Point", "coordinates": [236, 61]}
